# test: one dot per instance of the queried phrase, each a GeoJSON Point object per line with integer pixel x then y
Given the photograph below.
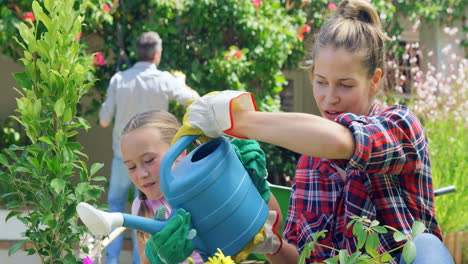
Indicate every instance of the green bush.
{"type": "Point", "coordinates": [449, 156]}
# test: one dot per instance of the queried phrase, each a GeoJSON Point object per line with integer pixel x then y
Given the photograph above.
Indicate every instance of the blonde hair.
{"type": "Point", "coordinates": [355, 27]}
{"type": "Point", "coordinates": [168, 126]}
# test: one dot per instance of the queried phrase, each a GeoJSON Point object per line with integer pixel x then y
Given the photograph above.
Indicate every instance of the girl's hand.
{"type": "Point", "coordinates": [173, 244]}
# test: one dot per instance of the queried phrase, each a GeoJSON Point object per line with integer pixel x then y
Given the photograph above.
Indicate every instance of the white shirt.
{"type": "Point", "coordinates": [139, 89]}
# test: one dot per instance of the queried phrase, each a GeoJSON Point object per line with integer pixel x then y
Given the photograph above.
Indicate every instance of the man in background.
{"type": "Point", "coordinates": [138, 89]}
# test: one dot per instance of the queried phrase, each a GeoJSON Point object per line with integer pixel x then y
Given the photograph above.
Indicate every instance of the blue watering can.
{"type": "Point", "coordinates": [212, 184]}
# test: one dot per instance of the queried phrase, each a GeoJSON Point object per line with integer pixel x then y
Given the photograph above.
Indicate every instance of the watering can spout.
{"type": "Point", "coordinates": [99, 222]}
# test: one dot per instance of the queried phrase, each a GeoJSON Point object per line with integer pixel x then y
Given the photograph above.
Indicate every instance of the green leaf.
{"type": "Point", "coordinates": [40, 15]}
{"type": "Point", "coordinates": [67, 117]}
{"type": "Point", "coordinates": [374, 223]}
{"type": "Point", "coordinates": [409, 252]}
{"type": "Point", "coordinates": [329, 261]}
{"type": "Point", "coordinates": [361, 238]}
{"type": "Point", "coordinates": [418, 228]}
{"type": "Point", "coordinates": [37, 108]}
{"type": "Point", "coordinates": [358, 228]}
{"type": "Point", "coordinates": [46, 140]}
{"type": "Point", "coordinates": [14, 204]}
{"type": "Point", "coordinates": [84, 123]}
{"type": "Point", "coordinates": [58, 185]}
{"type": "Point", "coordinates": [372, 252]}
{"type": "Point", "coordinates": [25, 33]}
{"type": "Point", "coordinates": [372, 241]}
{"type": "Point", "coordinates": [15, 247]}
{"type": "Point", "coordinates": [398, 236]}
{"type": "Point", "coordinates": [386, 258]}
{"type": "Point", "coordinates": [343, 256]}
{"type": "Point", "coordinates": [352, 259]}
{"type": "Point", "coordinates": [380, 229]}
{"type": "Point", "coordinates": [3, 160]}
{"type": "Point", "coordinates": [23, 79]}
{"type": "Point", "coordinates": [12, 214]}
{"type": "Point", "coordinates": [48, 4]}
{"type": "Point", "coordinates": [95, 168]}
{"type": "Point", "coordinates": [46, 203]}
{"type": "Point", "coordinates": [100, 178]}
{"type": "Point", "coordinates": [59, 107]}
{"type": "Point", "coordinates": [81, 188]}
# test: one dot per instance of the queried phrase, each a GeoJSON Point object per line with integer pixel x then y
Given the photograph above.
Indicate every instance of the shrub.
{"type": "Point", "coordinates": [44, 174]}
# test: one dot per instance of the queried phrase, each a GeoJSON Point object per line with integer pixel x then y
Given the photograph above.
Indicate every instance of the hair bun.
{"type": "Point", "coordinates": [360, 10]}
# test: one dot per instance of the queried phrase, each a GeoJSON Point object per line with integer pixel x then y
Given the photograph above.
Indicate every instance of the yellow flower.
{"type": "Point", "coordinates": [219, 258]}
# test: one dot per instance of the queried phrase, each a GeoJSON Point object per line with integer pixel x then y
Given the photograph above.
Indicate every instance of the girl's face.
{"type": "Point", "coordinates": [340, 83]}
{"type": "Point", "coordinates": [143, 150]}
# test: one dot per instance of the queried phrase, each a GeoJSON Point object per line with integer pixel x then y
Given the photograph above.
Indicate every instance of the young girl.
{"type": "Point", "coordinates": [145, 140]}
{"type": "Point", "coordinates": [358, 159]}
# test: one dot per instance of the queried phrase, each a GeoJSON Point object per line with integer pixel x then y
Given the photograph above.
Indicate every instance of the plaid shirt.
{"type": "Point", "coordinates": [387, 179]}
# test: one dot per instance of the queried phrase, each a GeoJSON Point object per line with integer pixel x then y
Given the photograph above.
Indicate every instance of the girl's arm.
{"type": "Point", "coordinates": [302, 133]}
{"type": "Point", "coordinates": [141, 251]}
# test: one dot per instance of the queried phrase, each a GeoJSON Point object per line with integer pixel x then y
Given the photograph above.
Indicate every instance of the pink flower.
{"type": "Point", "coordinates": [87, 260]}
{"type": "Point", "coordinates": [106, 7]}
{"type": "Point", "coordinates": [238, 54]}
{"type": "Point", "coordinates": [29, 15]}
{"type": "Point", "coordinates": [256, 2]}
{"type": "Point", "coordinates": [98, 59]}
{"type": "Point", "coordinates": [331, 7]}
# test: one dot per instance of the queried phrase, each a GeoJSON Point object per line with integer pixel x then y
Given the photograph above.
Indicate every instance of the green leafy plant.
{"type": "Point", "coordinates": [448, 144]}
{"type": "Point", "coordinates": [366, 232]}
{"type": "Point", "coordinates": [48, 176]}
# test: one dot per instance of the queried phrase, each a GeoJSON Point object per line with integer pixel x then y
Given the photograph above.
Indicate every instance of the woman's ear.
{"type": "Point", "coordinates": [181, 156]}
{"type": "Point", "coordinates": [375, 81]}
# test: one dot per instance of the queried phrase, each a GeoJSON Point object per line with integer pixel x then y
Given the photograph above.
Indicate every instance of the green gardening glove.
{"type": "Point", "coordinates": [253, 159]}
{"type": "Point", "coordinates": [173, 244]}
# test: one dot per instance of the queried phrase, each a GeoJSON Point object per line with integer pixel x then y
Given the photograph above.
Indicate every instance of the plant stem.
{"type": "Point", "coordinates": [325, 246]}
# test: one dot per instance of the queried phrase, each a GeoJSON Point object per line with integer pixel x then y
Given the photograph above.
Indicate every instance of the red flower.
{"type": "Point", "coordinates": [300, 36]}
{"type": "Point", "coordinates": [331, 7]}
{"type": "Point", "coordinates": [238, 54]}
{"type": "Point", "coordinates": [257, 2]}
{"type": "Point", "coordinates": [29, 15]}
{"type": "Point", "coordinates": [106, 7]}
{"type": "Point", "coordinates": [77, 38]}
{"type": "Point", "coordinates": [304, 29]}
{"type": "Point", "coordinates": [98, 59]}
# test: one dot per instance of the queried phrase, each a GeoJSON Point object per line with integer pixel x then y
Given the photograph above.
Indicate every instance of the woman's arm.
{"type": "Point", "coordinates": [287, 254]}
{"type": "Point", "coordinates": [302, 133]}
{"type": "Point", "coordinates": [274, 206]}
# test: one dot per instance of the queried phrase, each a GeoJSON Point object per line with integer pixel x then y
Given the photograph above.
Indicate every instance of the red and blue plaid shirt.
{"type": "Point", "coordinates": [388, 179]}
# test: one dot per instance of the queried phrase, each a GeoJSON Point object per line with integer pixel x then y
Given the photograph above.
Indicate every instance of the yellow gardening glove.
{"type": "Point", "coordinates": [267, 241]}
{"type": "Point", "coordinates": [188, 129]}
{"type": "Point", "coordinates": [211, 114]}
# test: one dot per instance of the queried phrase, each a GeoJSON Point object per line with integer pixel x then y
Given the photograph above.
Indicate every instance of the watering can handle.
{"type": "Point", "coordinates": [170, 157]}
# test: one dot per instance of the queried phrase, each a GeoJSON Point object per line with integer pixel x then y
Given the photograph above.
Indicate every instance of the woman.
{"type": "Point", "coordinates": [358, 159]}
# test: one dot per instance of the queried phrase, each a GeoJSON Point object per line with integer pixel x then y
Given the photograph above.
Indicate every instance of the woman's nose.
{"type": "Point", "coordinates": [331, 96]}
